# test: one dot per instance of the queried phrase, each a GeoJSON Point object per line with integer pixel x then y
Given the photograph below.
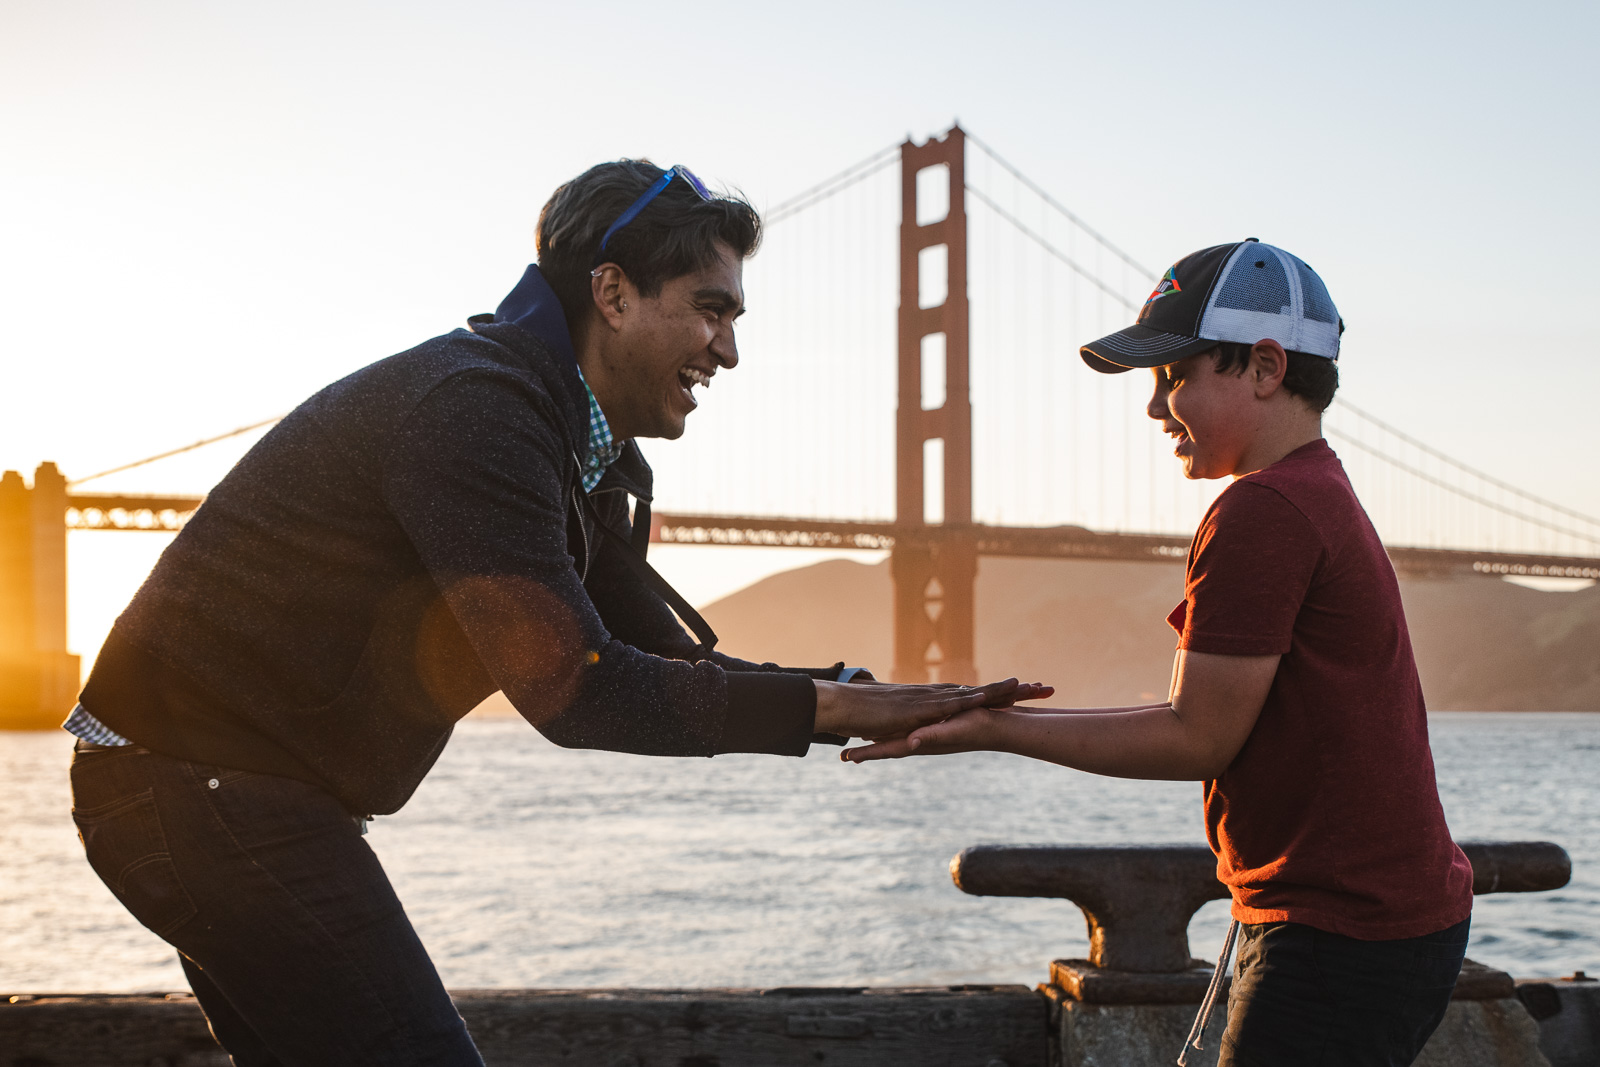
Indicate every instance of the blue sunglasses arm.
{"type": "Point", "coordinates": [638, 206]}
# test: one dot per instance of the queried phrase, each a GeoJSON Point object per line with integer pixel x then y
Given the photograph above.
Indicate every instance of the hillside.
{"type": "Point", "coordinates": [1097, 631]}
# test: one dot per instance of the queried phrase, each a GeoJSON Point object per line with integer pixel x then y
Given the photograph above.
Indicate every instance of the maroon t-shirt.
{"type": "Point", "coordinates": [1329, 815]}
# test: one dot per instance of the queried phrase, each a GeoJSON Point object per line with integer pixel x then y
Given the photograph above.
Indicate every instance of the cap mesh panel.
{"type": "Point", "coordinates": [1257, 282]}
{"type": "Point", "coordinates": [1319, 305]}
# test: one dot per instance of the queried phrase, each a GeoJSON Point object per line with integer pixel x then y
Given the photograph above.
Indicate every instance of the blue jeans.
{"type": "Point", "coordinates": [1303, 997]}
{"type": "Point", "coordinates": [292, 938]}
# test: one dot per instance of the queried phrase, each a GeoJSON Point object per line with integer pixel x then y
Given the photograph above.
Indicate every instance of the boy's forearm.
{"type": "Point", "coordinates": [1192, 737]}
{"type": "Point", "coordinates": [1145, 741]}
{"type": "Point", "coordinates": [1030, 709]}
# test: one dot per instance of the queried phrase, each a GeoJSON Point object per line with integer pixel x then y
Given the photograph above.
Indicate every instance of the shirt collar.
{"type": "Point", "coordinates": [533, 306]}
{"type": "Point", "coordinates": [603, 448]}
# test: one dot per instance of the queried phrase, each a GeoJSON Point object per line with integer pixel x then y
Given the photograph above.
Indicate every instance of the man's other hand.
{"type": "Point", "coordinates": [878, 710]}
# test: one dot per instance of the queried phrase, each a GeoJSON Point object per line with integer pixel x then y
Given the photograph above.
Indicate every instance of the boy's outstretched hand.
{"type": "Point", "coordinates": [875, 710]}
{"type": "Point", "coordinates": [966, 731]}
{"type": "Point", "coordinates": [1192, 736]}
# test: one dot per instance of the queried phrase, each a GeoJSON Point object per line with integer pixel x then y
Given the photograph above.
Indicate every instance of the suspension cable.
{"type": "Point", "coordinates": [1342, 402]}
{"type": "Point", "coordinates": [1456, 463]}
{"type": "Point", "coordinates": [1355, 410]}
{"type": "Point", "coordinates": [1075, 220]}
{"type": "Point", "coordinates": [177, 451]}
{"type": "Point", "coordinates": [1083, 272]}
{"type": "Point", "coordinates": [836, 184]}
{"type": "Point", "coordinates": [1463, 493]}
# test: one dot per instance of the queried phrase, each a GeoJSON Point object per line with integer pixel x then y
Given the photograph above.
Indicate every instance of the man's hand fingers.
{"type": "Point", "coordinates": [995, 694]}
{"type": "Point", "coordinates": [1027, 691]}
{"type": "Point", "coordinates": [893, 711]}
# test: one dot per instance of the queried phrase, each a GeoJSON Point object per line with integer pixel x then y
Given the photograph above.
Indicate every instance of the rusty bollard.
{"type": "Point", "coordinates": [1138, 900]}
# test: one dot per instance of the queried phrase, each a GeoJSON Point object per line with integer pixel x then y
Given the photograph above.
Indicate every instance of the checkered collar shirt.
{"type": "Point", "coordinates": [603, 448]}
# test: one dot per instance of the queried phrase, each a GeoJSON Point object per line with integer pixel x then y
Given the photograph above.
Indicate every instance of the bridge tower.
{"type": "Point", "coordinates": [38, 676]}
{"type": "Point", "coordinates": [934, 563]}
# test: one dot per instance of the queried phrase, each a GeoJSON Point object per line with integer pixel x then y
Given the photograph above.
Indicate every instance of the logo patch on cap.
{"type": "Point", "coordinates": [1165, 287]}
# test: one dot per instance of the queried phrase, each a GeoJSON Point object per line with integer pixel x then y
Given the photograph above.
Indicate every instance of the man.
{"type": "Point", "coordinates": [442, 524]}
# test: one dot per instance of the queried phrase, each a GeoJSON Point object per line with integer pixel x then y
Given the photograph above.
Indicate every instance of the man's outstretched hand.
{"type": "Point", "coordinates": [889, 711]}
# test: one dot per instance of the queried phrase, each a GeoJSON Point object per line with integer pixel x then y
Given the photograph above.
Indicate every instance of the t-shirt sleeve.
{"type": "Point", "coordinates": [1251, 564]}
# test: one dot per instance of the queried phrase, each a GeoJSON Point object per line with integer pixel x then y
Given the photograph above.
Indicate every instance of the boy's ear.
{"type": "Point", "coordinates": [1268, 364]}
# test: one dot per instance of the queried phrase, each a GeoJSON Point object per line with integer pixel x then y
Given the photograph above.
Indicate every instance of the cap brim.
{"type": "Point", "coordinates": [1140, 346]}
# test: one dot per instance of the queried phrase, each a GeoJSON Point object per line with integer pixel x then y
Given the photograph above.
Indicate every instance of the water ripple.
{"type": "Point", "coordinates": [527, 865]}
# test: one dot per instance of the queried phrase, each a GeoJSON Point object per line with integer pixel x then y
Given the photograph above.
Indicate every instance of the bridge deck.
{"type": "Point", "coordinates": [108, 511]}
{"type": "Point", "coordinates": [1061, 542]}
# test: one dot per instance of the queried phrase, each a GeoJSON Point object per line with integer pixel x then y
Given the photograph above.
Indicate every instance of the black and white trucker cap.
{"type": "Point", "coordinates": [1244, 292]}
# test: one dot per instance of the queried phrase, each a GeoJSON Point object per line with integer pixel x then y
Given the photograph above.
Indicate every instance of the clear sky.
{"type": "Point", "coordinates": [208, 211]}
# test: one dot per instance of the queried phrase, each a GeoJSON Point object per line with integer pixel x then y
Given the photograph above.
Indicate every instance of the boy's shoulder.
{"type": "Point", "coordinates": [1271, 542]}
{"type": "Point", "coordinates": [1310, 480]}
{"type": "Point", "coordinates": [1298, 512]}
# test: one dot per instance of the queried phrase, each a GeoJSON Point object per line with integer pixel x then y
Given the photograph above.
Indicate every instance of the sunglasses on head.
{"type": "Point", "coordinates": [677, 171]}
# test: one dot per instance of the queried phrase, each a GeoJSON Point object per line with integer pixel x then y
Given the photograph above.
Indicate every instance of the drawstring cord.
{"type": "Point", "coordinates": [1198, 1030]}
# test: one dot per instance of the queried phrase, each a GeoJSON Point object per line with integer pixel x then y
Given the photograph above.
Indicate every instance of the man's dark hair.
{"type": "Point", "coordinates": [1311, 378]}
{"type": "Point", "coordinates": [676, 234]}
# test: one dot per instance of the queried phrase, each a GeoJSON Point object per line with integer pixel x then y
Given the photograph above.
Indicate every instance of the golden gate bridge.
{"type": "Point", "coordinates": [914, 388]}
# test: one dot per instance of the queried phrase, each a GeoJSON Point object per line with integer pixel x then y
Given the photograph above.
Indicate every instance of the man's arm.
{"type": "Point", "coordinates": [1194, 736]}
{"type": "Point", "coordinates": [474, 478]}
{"type": "Point", "coordinates": [635, 614]}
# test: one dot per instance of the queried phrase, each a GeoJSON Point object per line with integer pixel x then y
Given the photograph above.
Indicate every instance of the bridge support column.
{"type": "Point", "coordinates": [38, 676]}
{"type": "Point", "coordinates": [911, 572]}
{"type": "Point", "coordinates": [934, 563]}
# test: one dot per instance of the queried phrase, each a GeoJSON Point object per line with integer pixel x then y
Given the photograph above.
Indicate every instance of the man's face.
{"type": "Point", "coordinates": [672, 343]}
{"type": "Point", "coordinates": [1210, 416]}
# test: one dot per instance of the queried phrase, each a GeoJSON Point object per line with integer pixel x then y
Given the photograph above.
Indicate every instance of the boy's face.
{"type": "Point", "coordinates": [1211, 416]}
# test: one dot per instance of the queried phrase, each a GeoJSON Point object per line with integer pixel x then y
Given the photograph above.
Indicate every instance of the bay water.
{"type": "Point", "coordinates": [526, 865]}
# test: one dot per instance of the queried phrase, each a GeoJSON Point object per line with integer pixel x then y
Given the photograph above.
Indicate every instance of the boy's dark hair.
{"type": "Point", "coordinates": [1311, 378]}
{"type": "Point", "coordinates": [674, 235]}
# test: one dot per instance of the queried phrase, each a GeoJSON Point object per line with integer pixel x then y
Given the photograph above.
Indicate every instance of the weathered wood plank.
{"type": "Point", "coordinates": [105, 1031]}
{"type": "Point", "coordinates": [973, 1026]}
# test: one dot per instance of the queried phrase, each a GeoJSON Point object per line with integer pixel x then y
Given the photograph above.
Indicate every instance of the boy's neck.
{"type": "Point", "coordinates": [1291, 427]}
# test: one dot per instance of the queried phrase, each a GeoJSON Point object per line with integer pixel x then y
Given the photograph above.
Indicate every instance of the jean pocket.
{"type": "Point", "coordinates": [128, 850]}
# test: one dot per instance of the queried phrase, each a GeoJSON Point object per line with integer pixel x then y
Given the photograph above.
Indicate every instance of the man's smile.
{"type": "Point", "coordinates": [688, 378]}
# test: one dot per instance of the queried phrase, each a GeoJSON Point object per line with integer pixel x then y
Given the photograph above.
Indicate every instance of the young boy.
{"type": "Point", "coordinates": [1294, 693]}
